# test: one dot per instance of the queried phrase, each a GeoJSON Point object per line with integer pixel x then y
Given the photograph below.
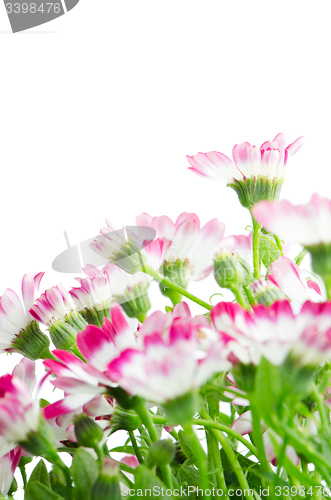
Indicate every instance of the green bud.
{"type": "Point", "coordinates": [252, 190]}
{"type": "Point", "coordinates": [135, 301]}
{"type": "Point", "coordinates": [230, 271]}
{"type": "Point", "coordinates": [63, 335]}
{"type": "Point", "coordinates": [126, 420]}
{"type": "Point", "coordinates": [267, 293]}
{"type": "Point", "coordinates": [88, 432]}
{"type": "Point", "coordinates": [161, 452]}
{"type": "Point", "coordinates": [107, 486]}
{"type": "Point", "coordinates": [97, 314]}
{"type": "Point", "coordinates": [32, 342]}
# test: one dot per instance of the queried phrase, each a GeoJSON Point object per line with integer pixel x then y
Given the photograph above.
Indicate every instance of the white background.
{"type": "Point", "coordinates": [99, 108]}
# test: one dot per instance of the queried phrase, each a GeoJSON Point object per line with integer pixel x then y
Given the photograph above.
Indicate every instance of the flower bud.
{"type": "Point", "coordinates": [63, 335]}
{"type": "Point", "coordinates": [107, 485]}
{"type": "Point", "coordinates": [87, 432]}
{"type": "Point", "coordinates": [266, 292]}
{"type": "Point", "coordinates": [161, 452]}
{"type": "Point", "coordinates": [32, 342]}
{"type": "Point", "coordinates": [126, 420]}
{"type": "Point", "coordinates": [230, 270]}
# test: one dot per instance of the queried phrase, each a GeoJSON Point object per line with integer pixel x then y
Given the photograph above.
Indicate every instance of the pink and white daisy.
{"type": "Point", "coordinates": [191, 250]}
{"type": "Point", "coordinates": [130, 247]}
{"type": "Point", "coordinates": [56, 309]}
{"type": "Point", "coordinates": [248, 161]}
{"type": "Point", "coordinates": [110, 284]}
{"type": "Point", "coordinates": [287, 275]}
{"type": "Point", "coordinates": [99, 409]}
{"type": "Point", "coordinates": [84, 381]}
{"type": "Point", "coordinates": [16, 323]}
{"type": "Point", "coordinates": [19, 410]}
{"type": "Point", "coordinates": [275, 332]}
{"type": "Point", "coordinates": [308, 224]}
{"type": "Point", "coordinates": [8, 464]}
{"type": "Point", "coordinates": [167, 368]}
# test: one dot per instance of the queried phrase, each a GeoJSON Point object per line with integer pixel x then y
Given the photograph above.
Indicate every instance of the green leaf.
{"type": "Point", "coordinates": [85, 472]}
{"type": "Point", "coordinates": [41, 492]}
{"type": "Point", "coordinates": [185, 444]}
{"type": "Point", "coordinates": [251, 469]}
{"type": "Point", "coordinates": [145, 479]}
{"type": "Point", "coordinates": [268, 249]}
{"type": "Point", "coordinates": [40, 475]}
{"type": "Point", "coordinates": [267, 390]}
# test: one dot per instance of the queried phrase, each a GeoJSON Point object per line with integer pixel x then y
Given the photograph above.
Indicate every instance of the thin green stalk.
{"type": "Point", "coordinates": [249, 296]}
{"type": "Point", "coordinates": [200, 456]}
{"type": "Point", "coordinates": [167, 282]}
{"type": "Point", "coordinates": [299, 258]}
{"type": "Point", "coordinates": [237, 292]}
{"type": "Point", "coordinates": [256, 256]}
{"type": "Point", "coordinates": [257, 433]}
{"type": "Point", "coordinates": [136, 447]}
{"type": "Point", "coordinates": [147, 420]}
{"type": "Point", "coordinates": [210, 455]}
{"type": "Point", "coordinates": [231, 457]}
{"type": "Point", "coordinates": [208, 422]}
{"type": "Point", "coordinates": [23, 474]}
{"type": "Point", "coordinates": [278, 243]}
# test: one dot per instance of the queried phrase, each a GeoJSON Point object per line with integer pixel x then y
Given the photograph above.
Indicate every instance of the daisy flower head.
{"type": "Point", "coordinates": [255, 173]}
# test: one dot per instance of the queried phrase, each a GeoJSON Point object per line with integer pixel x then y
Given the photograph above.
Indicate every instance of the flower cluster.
{"type": "Point", "coordinates": [254, 369]}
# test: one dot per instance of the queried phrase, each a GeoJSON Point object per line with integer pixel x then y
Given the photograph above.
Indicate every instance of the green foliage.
{"type": "Point", "coordinates": [268, 249]}
{"type": "Point", "coordinates": [85, 472]}
{"type": "Point", "coordinates": [39, 475]}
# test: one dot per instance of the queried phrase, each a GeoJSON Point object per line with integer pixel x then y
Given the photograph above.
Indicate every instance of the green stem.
{"type": "Point", "coordinates": [301, 256]}
{"type": "Point", "coordinates": [210, 454]}
{"type": "Point", "coordinates": [200, 456]}
{"type": "Point", "coordinates": [278, 243]}
{"type": "Point", "coordinates": [147, 420]}
{"type": "Point", "coordinates": [257, 433]}
{"type": "Point", "coordinates": [208, 422]}
{"type": "Point", "coordinates": [136, 447]}
{"type": "Point", "coordinates": [56, 460]}
{"type": "Point", "coordinates": [327, 282]}
{"type": "Point", "coordinates": [231, 457]}
{"type": "Point", "coordinates": [249, 296]}
{"type": "Point", "coordinates": [167, 282]}
{"type": "Point", "coordinates": [256, 239]}
{"type": "Point", "coordinates": [23, 473]}
{"type": "Point", "coordinates": [237, 292]}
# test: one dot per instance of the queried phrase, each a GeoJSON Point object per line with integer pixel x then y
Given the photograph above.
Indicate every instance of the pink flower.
{"type": "Point", "coordinates": [99, 409]}
{"type": "Point", "coordinates": [53, 305]}
{"type": "Point", "coordinates": [274, 332]}
{"type": "Point", "coordinates": [8, 464]}
{"type": "Point", "coordinates": [268, 161]}
{"type": "Point", "coordinates": [190, 245]}
{"type": "Point", "coordinates": [130, 247]}
{"type": "Point", "coordinates": [111, 284]}
{"type": "Point", "coordinates": [287, 275]}
{"type": "Point", "coordinates": [19, 411]}
{"type": "Point", "coordinates": [167, 367]}
{"type": "Point", "coordinates": [14, 316]}
{"type": "Point", "coordinates": [84, 381]}
{"type": "Point", "coordinates": [308, 224]}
